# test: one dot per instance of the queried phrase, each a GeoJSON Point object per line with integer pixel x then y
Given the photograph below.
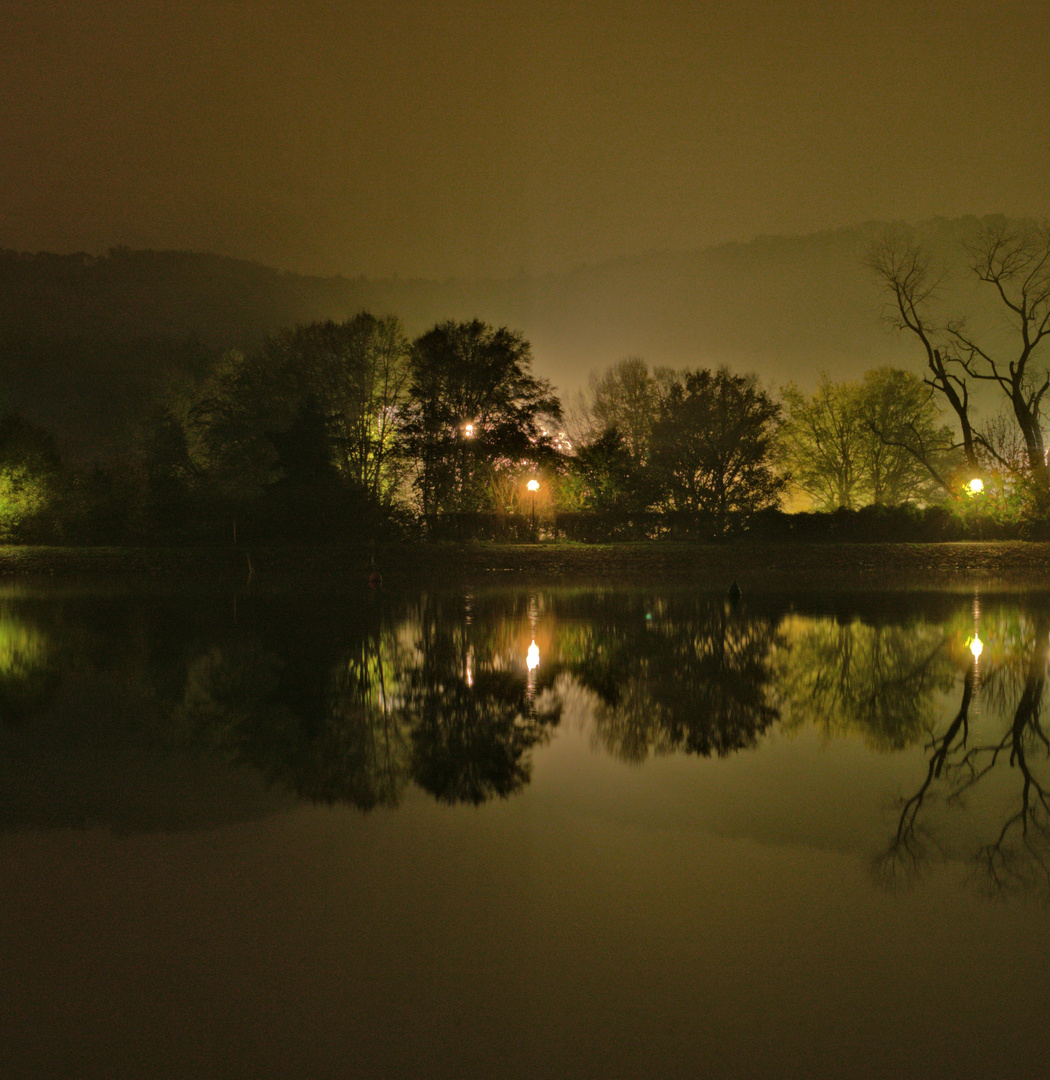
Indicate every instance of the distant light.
{"type": "Point", "coordinates": [469, 431]}
{"type": "Point", "coordinates": [976, 646]}
{"type": "Point", "coordinates": [533, 485]}
{"type": "Point", "coordinates": [532, 657]}
{"type": "Point", "coordinates": [975, 486]}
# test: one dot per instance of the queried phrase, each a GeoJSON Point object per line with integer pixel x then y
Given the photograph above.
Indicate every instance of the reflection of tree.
{"type": "Point", "coordinates": [470, 743]}
{"type": "Point", "coordinates": [27, 672]}
{"type": "Point", "coordinates": [881, 681]}
{"type": "Point", "coordinates": [431, 698]}
{"type": "Point", "coordinates": [687, 675]}
{"type": "Point", "coordinates": [336, 742]}
{"type": "Point", "coordinates": [367, 734]}
{"type": "Point", "coordinates": [960, 763]}
{"type": "Point", "coordinates": [908, 851]}
{"type": "Point", "coordinates": [469, 712]}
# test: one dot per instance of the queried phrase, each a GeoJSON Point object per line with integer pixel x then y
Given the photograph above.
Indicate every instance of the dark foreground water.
{"type": "Point", "coordinates": [524, 833]}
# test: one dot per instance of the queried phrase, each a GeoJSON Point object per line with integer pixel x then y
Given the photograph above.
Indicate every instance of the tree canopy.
{"type": "Point", "coordinates": [713, 446]}
{"type": "Point", "coordinates": [878, 442]}
{"type": "Point", "coordinates": [475, 408]}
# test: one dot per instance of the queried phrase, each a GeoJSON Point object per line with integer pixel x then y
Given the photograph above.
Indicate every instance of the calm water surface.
{"type": "Point", "coordinates": [524, 833]}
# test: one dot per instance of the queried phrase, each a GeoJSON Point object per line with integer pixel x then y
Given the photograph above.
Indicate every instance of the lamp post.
{"type": "Point", "coordinates": [975, 488]}
{"type": "Point", "coordinates": [533, 486]}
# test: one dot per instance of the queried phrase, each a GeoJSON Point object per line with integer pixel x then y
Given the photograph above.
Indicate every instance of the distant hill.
{"type": "Point", "coordinates": [83, 339]}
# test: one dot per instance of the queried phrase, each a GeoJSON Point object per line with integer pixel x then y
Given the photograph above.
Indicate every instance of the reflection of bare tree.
{"type": "Point", "coordinates": [908, 852]}
{"type": "Point", "coordinates": [880, 681]}
{"type": "Point", "coordinates": [1018, 855]}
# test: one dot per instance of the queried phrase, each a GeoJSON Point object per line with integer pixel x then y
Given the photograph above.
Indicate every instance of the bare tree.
{"type": "Point", "coordinates": [904, 268]}
{"type": "Point", "coordinates": [1015, 261]}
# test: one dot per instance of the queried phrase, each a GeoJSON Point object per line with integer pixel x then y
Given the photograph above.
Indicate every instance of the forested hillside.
{"type": "Point", "coordinates": [84, 339]}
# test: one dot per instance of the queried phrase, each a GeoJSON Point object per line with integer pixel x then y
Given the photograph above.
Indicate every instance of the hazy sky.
{"type": "Point", "coordinates": [486, 136]}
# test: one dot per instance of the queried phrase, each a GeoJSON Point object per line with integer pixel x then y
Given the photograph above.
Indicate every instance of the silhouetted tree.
{"type": "Point", "coordinates": [311, 420]}
{"type": "Point", "coordinates": [625, 398]}
{"type": "Point", "coordinates": [1015, 262]}
{"type": "Point", "coordinates": [358, 372]}
{"type": "Point", "coordinates": [474, 404]}
{"type": "Point", "coordinates": [603, 475]}
{"type": "Point", "coordinates": [713, 447]}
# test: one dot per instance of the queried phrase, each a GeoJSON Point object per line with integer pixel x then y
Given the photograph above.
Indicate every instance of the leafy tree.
{"type": "Point", "coordinates": [475, 407]}
{"type": "Point", "coordinates": [311, 420]}
{"type": "Point", "coordinates": [29, 478]}
{"type": "Point", "coordinates": [879, 441]}
{"type": "Point", "coordinates": [713, 446]}
{"type": "Point", "coordinates": [626, 399]}
{"type": "Point", "coordinates": [603, 475]}
{"type": "Point", "coordinates": [358, 371]}
{"type": "Point", "coordinates": [908, 449]}
{"type": "Point", "coordinates": [820, 443]}
{"type": "Point", "coordinates": [230, 419]}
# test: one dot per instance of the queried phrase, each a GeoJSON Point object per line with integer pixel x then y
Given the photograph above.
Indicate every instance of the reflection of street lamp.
{"type": "Point", "coordinates": [533, 486]}
{"type": "Point", "coordinates": [532, 657]}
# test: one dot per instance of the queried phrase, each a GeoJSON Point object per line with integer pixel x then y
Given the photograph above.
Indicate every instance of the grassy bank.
{"type": "Point", "coordinates": [705, 565]}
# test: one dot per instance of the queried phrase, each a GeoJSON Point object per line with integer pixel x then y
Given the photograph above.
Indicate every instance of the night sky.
{"type": "Point", "coordinates": [490, 136]}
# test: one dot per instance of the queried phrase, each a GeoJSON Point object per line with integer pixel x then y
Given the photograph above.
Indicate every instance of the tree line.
{"type": "Point", "coordinates": [345, 430]}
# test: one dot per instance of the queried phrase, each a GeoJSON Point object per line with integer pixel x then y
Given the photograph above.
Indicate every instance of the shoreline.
{"type": "Point", "coordinates": [783, 564]}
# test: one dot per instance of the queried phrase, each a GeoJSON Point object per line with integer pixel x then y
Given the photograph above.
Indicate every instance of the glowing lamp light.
{"type": "Point", "coordinates": [532, 657]}
{"type": "Point", "coordinates": [976, 647]}
{"type": "Point", "coordinates": [469, 431]}
{"type": "Point", "coordinates": [975, 486]}
{"type": "Point", "coordinates": [533, 485]}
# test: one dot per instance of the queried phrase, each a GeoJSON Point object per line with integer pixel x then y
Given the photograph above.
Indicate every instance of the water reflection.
{"type": "Point", "coordinates": [881, 681]}
{"type": "Point", "coordinates": [28, 672]}
{"type": "Point", "coordinates": [353, 700]}
{"type": "Point", "coordinates": [1009, 752]}
{"type": "Point", "coordinates": [674, 673]}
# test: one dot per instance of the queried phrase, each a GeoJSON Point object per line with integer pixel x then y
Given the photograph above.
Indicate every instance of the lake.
{"type": "Point", "coordinates": [524, 830]}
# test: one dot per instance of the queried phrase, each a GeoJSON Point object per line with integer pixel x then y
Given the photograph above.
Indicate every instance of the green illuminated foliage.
{"type": "Point", "coordinates": [29, 476]}
{"type": "Point", "coordinates": [877, 442]}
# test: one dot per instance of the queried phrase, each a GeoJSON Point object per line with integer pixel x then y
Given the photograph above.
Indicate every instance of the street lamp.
{"type": "Point", "coordinates": [533, 486]}
{"type": "Point", "coordinates": [975, 486]}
